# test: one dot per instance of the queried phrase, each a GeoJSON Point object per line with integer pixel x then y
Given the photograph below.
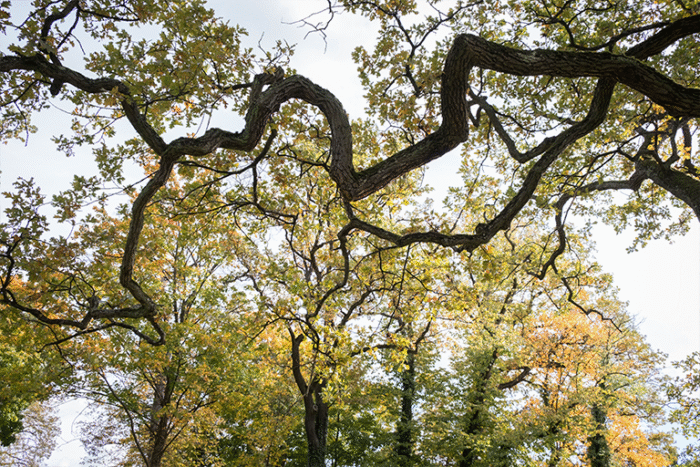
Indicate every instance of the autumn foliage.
{"type": "Point", "coordinates": [248, 277]}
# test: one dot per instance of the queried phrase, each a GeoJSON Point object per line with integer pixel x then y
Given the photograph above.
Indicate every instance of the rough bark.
{"type": "Point", "coordinates": [598, 449]}
{"type": "Point", "coordinates": [156, 451]}
{"type": "Point", "coordinates": [680, 185]}
{"type": "Point", "coordinates": [159, 427]}
{"type": "Point", "coordinates": [468, 51]}
{"type": "Point", "coordinates": [315, 408]}
{"type": "Point", "coordinates": [316, 426]}
{"type": "Point", "coordinates": [404, 430]}
{"type": "Point", "coordinates": [270, 91]}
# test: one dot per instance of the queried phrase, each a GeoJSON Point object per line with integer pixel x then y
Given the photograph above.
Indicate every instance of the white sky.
{"type": "Point", "coordinates": [661, 282]}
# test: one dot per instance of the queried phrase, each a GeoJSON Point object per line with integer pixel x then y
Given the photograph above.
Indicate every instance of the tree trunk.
{"type": "Point", "coordinates": [315, 408]}
{"type": "Point", "coordinates": [159, 425]}
{"type": "Point", "coordinates": [598, 449]}
{"type": "Point", "coordinates": [404, 429]}
{"type": "Point", "coordinates": [472, 426]}
{"type": "Point", "coordinates": [475, 418]}
{"type": "Point", "coordinates": [157, 449]}
{"type": "Point", "coordinates": [316, 426]}
{"type": "Point", "coordinates": [554, 458]}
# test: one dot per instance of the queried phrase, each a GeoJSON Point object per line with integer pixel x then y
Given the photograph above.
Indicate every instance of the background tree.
{"type": "Point", "coordinates": [334, 294]}
{"type": "Point", "coordinates": [534, 361]}
{"type": "Point", "coordinates": [682, 393]}
{"type": "Point", "coordinates": [156, 402]}
{"type": "Point", "coordinates": [37, 439]}
{"type": "Point", "coordinates": [29, 373]}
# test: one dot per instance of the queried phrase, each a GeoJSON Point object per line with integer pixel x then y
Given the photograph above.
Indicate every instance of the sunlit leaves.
{"type": "Point", "coordinates": [161, 396]}
{"type": "Point", "coordinates": [28, 373]}
{"type": "Point", "coordinates": [245, 257]}
{"type": "Point", "coordinates": [401, 68]}
{"type": "Point", "coordinates": [174, 76]}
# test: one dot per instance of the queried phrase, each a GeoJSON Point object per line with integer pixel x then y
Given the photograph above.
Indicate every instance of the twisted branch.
{"type": "Point", "coordinates": [270, 91]}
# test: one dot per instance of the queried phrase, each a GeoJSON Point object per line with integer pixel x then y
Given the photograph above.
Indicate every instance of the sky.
{"type": "Point", "coordinates": [661, 282]}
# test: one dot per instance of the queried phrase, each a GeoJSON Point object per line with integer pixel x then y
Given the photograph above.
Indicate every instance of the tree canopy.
{"type": "Point", "coordinates": [229, 188]}
{"type": "Point", "coordinates": [565, 101]}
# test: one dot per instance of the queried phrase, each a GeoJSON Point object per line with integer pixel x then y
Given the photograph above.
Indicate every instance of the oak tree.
{"type": "Point", "coordinates": [551, 105]}
{"type": "Point", "coordinates": [566, 101]}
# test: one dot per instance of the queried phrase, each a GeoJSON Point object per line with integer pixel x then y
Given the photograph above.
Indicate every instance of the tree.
{"type": "Point", "coordinates": [682, 393]}
{"type": "Point", "coordinates": [336, 295]}
{"type": "Point", "coordinates": [601, 105]}
{"type": "Point", "coordinates": [37, 439]}
{"type": "Point", "coordinates": [552, 107]}
{"type": "Point", "coordinates": [27, 373]}
{"type": "Point", "coordinates": [158, 400]}
{"type": "Point", "coordinates": [30, 372]}
{"type": "Point", "coordinates": [543, 370]}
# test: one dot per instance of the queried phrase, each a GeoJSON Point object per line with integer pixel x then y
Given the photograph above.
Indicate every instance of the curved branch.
{"type": "Point", "coordinates": [679, 184]}
{"type": "Point", "coordinates": [485, 232]}
{"type": "Point", "coordinates": [633, 183]}
{"type": "Point", "coordinates": [666, 37]}
{"type": "Point", "coordinates": [468, 51]}
{"type": "Point", "coordinates": [628, 70]}
{"type": "Point", "coordinates": [525, 371]}
{"type": "Point", "coordinates": [7, 297]}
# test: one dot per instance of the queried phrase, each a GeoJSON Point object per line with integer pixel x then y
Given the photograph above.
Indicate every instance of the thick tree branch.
{"type": "Point", "coordinates": [468, 51]}
{"type": "Point", "coordinates": [677, 99]}
{"type": "Point", "coordinates": [525, 371]}
{"type": "Point", "coordinates": [682, 186]}
{"type": "Point", "coordinates": [665, 38]}
{"type": "Point", "coordinates": [270, 91]}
